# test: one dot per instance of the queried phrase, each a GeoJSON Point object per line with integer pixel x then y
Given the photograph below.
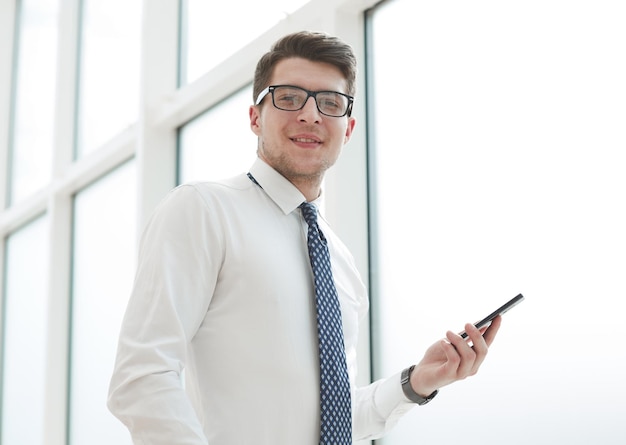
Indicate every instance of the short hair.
{"type": "Point", "coordinates": [313, 46]}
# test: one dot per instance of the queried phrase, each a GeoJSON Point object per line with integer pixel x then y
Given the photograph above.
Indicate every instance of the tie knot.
{"type": "Point", "coordinates": [309, 212]}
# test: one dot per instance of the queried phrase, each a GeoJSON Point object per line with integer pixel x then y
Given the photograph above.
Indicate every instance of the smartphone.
{"type": "Point", "coordinates": [501, 310]}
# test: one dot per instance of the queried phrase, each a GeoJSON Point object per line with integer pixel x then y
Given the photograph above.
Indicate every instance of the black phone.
{"type": "Point", "coordinates": [501, 310]}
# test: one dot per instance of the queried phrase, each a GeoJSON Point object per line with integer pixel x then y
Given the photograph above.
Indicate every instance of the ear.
{"type": "Point", "coordinates": [255, 119]}
{"type": "Point", "coordinates": [349, 129]}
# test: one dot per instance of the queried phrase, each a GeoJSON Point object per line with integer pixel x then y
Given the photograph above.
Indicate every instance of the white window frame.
{"type": "Point", "coordinates": [152, 141]}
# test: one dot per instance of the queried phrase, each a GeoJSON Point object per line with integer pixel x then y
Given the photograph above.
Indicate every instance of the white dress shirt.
{"type": "Point", "coordinates": [224, 291]}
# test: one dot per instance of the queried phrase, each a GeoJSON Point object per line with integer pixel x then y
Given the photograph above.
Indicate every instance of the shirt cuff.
{"type": "Point", "coordinates": [390, 400]}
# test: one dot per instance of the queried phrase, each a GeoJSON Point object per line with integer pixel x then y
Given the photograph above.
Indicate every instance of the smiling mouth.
{"type": "Point", "coordinates": [306, 140]}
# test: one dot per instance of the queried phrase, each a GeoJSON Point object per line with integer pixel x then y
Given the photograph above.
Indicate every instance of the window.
{"type": "Point", "coordinates": [34, 98]}
{"type": "Point", "coordinates": [109, 71]}
{"type": "Point", "coordinates": [103, 270]}
{"type": "Point", "coordinates": [24, 345]}
{"type": "Point", "coordinates": [209, 39]}
{"type": "Point", "coordinates": [213, 145]}
{"type": "Point", "coordinates": [498, 165]}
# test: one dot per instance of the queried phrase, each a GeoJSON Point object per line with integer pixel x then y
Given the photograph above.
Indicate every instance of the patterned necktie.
{"type": "Point", "coordinates": [335, 405]}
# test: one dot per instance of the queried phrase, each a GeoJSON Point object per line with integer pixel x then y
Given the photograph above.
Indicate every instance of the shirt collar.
{"type": "Point", "coordinates": [278, 188]}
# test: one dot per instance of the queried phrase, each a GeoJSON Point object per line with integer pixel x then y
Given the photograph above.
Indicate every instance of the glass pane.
{"type": "Point", "coordinates": [500, 169]}
{"type": "Point", "coordinates": [25, 319]}
{"type": "Point", "coordinates": [35, 86]}
{"type": "Point", "coordinates": [209, 39]}
{"type": "Point", "coordinates": [109, 71]}
{"type": "Point", "coordinates": [103, 258]}
{"type": "Point", "coordinates": [219, 143]}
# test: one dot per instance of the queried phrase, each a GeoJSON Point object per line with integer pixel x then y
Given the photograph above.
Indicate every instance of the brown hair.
{"type": "Point", "coordinates": [313, 46]}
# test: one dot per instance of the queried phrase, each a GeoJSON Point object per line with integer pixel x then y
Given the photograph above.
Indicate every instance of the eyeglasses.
{"type": "Point", "coordinates": [292, 98]}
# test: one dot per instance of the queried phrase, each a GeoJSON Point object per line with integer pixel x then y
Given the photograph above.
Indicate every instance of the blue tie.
{"type": "Point", "coordinates": [335, 405]}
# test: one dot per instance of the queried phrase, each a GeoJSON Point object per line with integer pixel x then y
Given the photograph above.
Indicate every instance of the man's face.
{"type": "Point", "coordinates": [303, 144]}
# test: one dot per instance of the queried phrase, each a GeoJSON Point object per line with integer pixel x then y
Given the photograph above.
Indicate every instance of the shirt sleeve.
{"type": "Point", "coordinates": [173, 286]}
{"type": "Point", "coordinates": [379, 406]}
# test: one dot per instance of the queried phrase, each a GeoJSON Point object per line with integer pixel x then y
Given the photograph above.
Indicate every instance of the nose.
{"type": "Point", "coordinates": [310, 113]}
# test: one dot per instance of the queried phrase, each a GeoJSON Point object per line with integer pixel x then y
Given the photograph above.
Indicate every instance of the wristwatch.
{"type": "Point", "coordinates": [408, 390]}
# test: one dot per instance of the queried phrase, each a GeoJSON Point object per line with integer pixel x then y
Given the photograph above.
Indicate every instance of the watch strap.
{"type": "Point", "coordinates": [407, 389]}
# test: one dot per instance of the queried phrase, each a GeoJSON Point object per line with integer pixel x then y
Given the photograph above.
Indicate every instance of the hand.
{"type": "Point", "coordinates": [453, 358]}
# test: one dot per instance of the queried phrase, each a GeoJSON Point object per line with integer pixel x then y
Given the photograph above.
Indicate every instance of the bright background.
{"type": "Point", "coordinates": [500, 160]}
{"type": "Point", "coordinates": [488, 160]}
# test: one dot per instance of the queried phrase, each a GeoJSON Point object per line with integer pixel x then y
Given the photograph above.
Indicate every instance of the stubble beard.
{"type": "Point", "coordinates": [289, 168]}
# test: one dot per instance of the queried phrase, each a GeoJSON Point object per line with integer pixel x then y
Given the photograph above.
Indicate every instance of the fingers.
{"type": "Point", "coordinates": [454, 358]}
{"type": "Point", "coordinates": [479, 346]}
{"type": "Point", "coordinates": [473, 350]}
{"type": "Point", "coordinates": [491, 332]}
{"type": "Point", "coordinates": [466, 354]}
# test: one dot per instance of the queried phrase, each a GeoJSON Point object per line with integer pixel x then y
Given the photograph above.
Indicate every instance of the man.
{"type": "Point", "coordinates": [226, 290]}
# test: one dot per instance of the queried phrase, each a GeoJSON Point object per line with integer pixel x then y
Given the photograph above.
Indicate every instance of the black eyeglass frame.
{"type": "Point", "coordinates": [313, 94]}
